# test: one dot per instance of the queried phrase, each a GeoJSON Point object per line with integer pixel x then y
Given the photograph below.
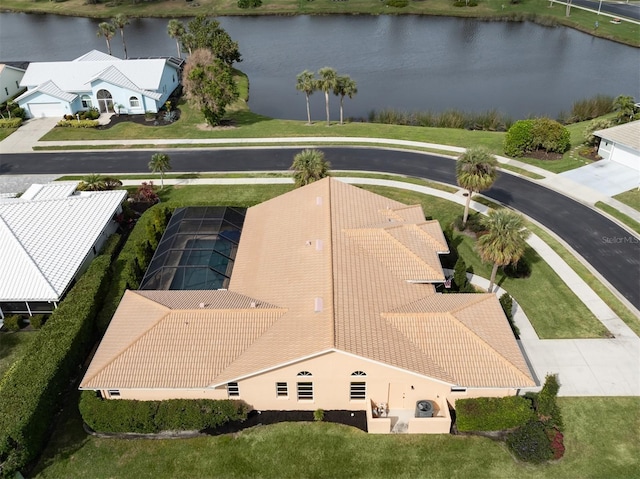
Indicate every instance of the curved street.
{"type": "Point", "coordinates": [609, 248]}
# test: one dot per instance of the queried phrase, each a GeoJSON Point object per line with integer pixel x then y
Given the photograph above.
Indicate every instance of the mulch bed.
{"type": "Point", "coordinates": [544, 155]}
{"type": "Point", "coordinates": [140, 120]}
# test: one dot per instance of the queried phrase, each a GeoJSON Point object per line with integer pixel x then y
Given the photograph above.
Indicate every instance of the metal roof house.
{"type": "Point", "coordinates": [10, 77]}
{"type": "Point", "coordinates": [98, 80]}
{"type": "Point", "coordinates": [48, 236]}
{"type": "Point", "coordinates": [331, 304]}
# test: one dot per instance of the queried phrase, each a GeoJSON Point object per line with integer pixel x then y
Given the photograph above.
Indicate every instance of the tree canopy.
{"type": "Point", "coordinates": [476, 170]}
{"type": "Point", "coordinates": [120, 21]}
{"type": "Point", "coordinates": [176, 30]}
{"type": "Point", "coordinates": [208, 83]}
{"type": "Point", "coordinates": [203, 33]}
{"type": "Point", "coordinates": [106, 30]}
{"type": "Point", "coordinates": [308, 166]}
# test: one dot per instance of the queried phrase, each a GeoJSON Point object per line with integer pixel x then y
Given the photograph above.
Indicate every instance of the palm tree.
{"type": "Point", "coordinates": [307, 83]}
{"type": "Point", "coordinates": [309, 166]}
{"type": "Point", "coordinates": [505, 241]}
{"type": "Point", "coordinates": [160, 163]}
{"type": "Point", "coordinates": [92, 182]}
{"type": "Point", "coordinates": [345, 86]}
{"type": "Point", "coordinates": [106, 30]}
{"type": "Point", "coordinates": [625, 108]}
{"type": "Point", "coordinates": [327, 82]}
{"type": "Point", "coordinates": [475, 171]}
{"type": "Point", "coordinates": [120, 21]}
{"type": "Point", "coordinates": [175, 29]}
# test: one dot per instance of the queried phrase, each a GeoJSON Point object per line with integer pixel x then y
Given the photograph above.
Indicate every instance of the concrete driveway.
{"type": "Point", "coordinates": [605, 176]}
{"type": "Point", "coordinates": [24, 138]}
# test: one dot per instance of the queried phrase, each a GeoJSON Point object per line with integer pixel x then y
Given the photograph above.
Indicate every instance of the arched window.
{"type": "Point", "coordinates": [358, 373]}
{"type": "Point", "coordinates": [134, 102]}
{"type": "Point", "coordinates": [86, 101]}
{"type": "Point", "coordinates": [304, 373]}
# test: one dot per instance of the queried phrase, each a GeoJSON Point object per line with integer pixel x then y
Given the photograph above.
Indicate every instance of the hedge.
{"type": "Point", "coordinates": [33, 390]}
{"type": "Point", "coordinates": [530, 443]}
{"type": "Point", "coordinates": [10, 122]}
{"type": "Point", "coordinates": [129, 416]}
{"type": "Point", "coordinates": [78, 123]}
{"type": "Point", "coordinates": [493, 414]}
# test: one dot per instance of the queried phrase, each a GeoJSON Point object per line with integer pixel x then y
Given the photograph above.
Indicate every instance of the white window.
{"type": "Point", "coordinates": [134, 102]}
{"type": "Point", "coordinates": [282, 391]}
{"type": "Point", "coordinates": [305, 391]}
{"type": "Point", "coordinates": [304, 373]}
{"type": "Point", "coordinates": [233, 390]}
{"type": "Point", "coordinates": [114, 393]}
{"type": "Point", "coordinates": [86, 101]}
{"type": "Point", "coordinates": [358, 390]}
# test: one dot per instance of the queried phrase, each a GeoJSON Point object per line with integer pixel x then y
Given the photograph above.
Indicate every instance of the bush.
{"type": "Point", "coordinates": [10, 122]}
{"type": "Point", "coordinates": [397, 3]}
{"type": "Point", "coordinates": [598, 124]}
{"type": "Point", "coordinates": [14, 322]}
{"type": "Point", "coordinates": [549, 135]}
{"type": "Point", "coordinates": [249, 3]}
{"type": "Point", "coordinates": [78, 124]}
{"type": "Point", "coordinates": [90, 114]}
{"type": "Point", "coordinates": [123, 415]}
{"type": "Point", "coordinates": [32, 391]}
{"type": "Point", "coordinates": [492, 414]}
{"type": "Point", "coordinates": [530, 443]}
{"type": "Point", "coordinates": [474, 223]}
{"type": "Point", "coordinates": [519, 269]}
{"type": "Point", "coordinates": [546, 403]}
{"type": "Point", "coordinates": [318, 415]}
{"type": "Point", "coordinates": [460, 273]}
{"type": "Point", "coordinates": [526, 136]}
{"type": "Point", "coordinates": [519, 138]}
{"type": "Point", "coordinates": [507, 306]}
{"type": "Point", "coordinates": [37, 321]}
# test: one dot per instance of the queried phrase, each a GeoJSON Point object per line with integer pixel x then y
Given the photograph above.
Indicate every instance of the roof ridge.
{"type": "Point", "coordinates": [413, 254]}
{"type": "Point", "coordinates": [28, 255]}
{"type": "Point", "coordinates": [474, 299]}
{"type": "Point", "coordinates": [334, 313]}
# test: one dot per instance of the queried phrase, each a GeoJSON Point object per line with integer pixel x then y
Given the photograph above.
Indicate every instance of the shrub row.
{"type": "Point", "coordinates": [493, 414]}
{"type": "Point", "coordinates": [13, 322]}
{"type": "Point", "coordinates": [78, 123]}
{"type": "Point", "coordinates": [144, 417]}
{"type": "Point", "coordinates": [32, 391]}
{"type": "Point", "coordinates": [10, 122]}
{"type": "Point", "coordinates": [491, 120]}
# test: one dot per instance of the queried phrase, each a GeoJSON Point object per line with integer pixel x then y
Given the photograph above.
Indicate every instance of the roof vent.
{"type": "Point", "coordinates": [308, 243]}
{"type": "Point", "coordinates": [318, 305]}
{"type": "Point", "coordinates": [318, 200]}
{"type": "Point", "coordinates": [202, 305]}
{"type": "Point", "coordinates": [253, 304]}
{"type": "Point", "coordinates": [318, 245]}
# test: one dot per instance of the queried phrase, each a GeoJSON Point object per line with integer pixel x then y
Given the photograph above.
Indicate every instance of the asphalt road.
{"type": "Point", "coordinates": [610, 249]}
{"type": "Point", "coordinates": [628, 10]}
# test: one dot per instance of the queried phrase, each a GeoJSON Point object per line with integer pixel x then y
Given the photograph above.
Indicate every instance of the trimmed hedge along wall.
{"type": "Point", "coordinates": [122, 415]}
{"type": "Point", "coordinates": [31, 392]}
{"type": "Point", "coordinates": [493, 414]}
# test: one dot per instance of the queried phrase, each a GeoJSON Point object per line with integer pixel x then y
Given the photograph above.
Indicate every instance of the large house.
{"type": "Point", "coordinates": [10, 77]}
{"type": "Point", "coordinates": [331, 304]}
{"type": "Point", "coordinates": [48, 237]}
{"type": "Point", "coordinates": [98, 80]}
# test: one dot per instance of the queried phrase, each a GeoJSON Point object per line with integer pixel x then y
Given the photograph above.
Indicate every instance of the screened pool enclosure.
{"type": "Point", "coordinates": [196, 250]}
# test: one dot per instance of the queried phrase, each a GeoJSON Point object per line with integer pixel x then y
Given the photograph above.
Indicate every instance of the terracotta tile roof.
{"type": "Point", "coordinates": [328, 266]}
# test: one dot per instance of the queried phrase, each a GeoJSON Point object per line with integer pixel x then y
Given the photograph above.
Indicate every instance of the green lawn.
{"type": "Point", "coordinates": [600, 438]}
{"type": "Point", "coordinates": [12, 346]}
{"type": "Point", "coordinates": [620, 216]}
{"type": "Point", "coordinates": [630, 198]}
{"type": "Point", "coordinates": [5, 132]}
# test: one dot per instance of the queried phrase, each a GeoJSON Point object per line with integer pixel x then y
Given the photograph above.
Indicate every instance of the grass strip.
{"type": "Point", "coordinates": [619, 215]}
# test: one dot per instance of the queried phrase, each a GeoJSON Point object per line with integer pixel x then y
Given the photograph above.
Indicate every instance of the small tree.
{"type": "Point", "coordinates": [160, 163]}
{"type": "Point", "coordinates": [120, 21]}
{"type": "Point", "coordinates": [625, 109]}
{"type": "Point", "coordinates": [460, 274]}
{"type": "Point", "coordinates": [307, 83]}
{"type": "Point", "coordinates": [505, 241]}
{"type": "Point", "coordinates": [309, 166]}
{"type": "Point", "coordinates": [345, 86]}
{"type": "Point", "coordinates": [476, 170]}
{"type": "Point", "coordinates": [106, 30]}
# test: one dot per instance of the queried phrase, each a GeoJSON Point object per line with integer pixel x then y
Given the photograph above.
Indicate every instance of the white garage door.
{"type": "Point", "coordinates": [626, 156]}
{"type": "Point", "coordinates": [39, 110]}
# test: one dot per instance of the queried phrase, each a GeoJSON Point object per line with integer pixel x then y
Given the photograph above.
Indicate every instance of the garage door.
{"type": "Point", "coordinates": [626, 157]}
{"type": "Point", "coordinates": [40, 110]}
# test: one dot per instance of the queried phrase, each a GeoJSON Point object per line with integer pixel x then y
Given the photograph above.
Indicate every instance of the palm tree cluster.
{"type": "Point", "coordinates": [328, 81]}
{"type": "Point", "coordinates": [108, 30]}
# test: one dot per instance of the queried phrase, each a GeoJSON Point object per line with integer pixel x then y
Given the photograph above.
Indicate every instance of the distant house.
{"type": "Point", "coordinates": [48, 236]}
{"type": "Point", "coordinates": [10, 78]}
{"type": "Point", "coordinates": [331, 304]}
{"type": "Point", "coordinates": [621, 144]}
{"type": "Point", "coordinates": [98, 80]}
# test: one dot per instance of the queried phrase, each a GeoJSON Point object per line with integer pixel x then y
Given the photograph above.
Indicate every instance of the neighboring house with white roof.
{"type": "Point", "coordinates": [10, 78]}
{"type": "Point", "coordinates": [98, 80]}
{"type": "Point", "coordinates": [621, 144]}
{"type": "Point", "coordinates": [331, 304]}
{"type": "Point", "coordinates": [48, 237]}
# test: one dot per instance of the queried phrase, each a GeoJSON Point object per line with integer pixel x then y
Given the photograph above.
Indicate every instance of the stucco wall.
{"type": "Point", "coordinates": [8, 79]}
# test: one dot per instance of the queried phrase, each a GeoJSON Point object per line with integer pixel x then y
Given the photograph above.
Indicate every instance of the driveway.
{"type": "Point", "coordinates": [605, 176]}
{"type": "Point", "coordinates": [24, 138]}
